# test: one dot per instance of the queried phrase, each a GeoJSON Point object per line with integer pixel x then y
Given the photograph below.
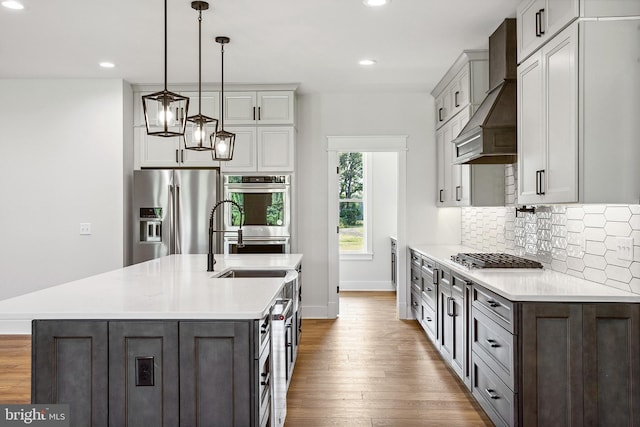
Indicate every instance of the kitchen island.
{"type": "Point", "coordinates": [163, 342]}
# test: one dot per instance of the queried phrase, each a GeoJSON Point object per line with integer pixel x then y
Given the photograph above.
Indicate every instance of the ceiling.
{"type": "Point", "coordinates": [316, 44]}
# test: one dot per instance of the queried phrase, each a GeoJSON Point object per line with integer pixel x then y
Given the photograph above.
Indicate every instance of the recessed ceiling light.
{"type": "Point", "coordinates": [107, 64]}
{"type": "Point", "coordinates": [375, 3]}
{"type": "Point", "coordinates": [367, 61]}
{"type": "Point", "coordinates": [12, 4]}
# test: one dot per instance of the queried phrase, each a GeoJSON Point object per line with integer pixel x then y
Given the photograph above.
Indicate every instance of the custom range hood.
{"type": "Point", "coordinates": [490, 135]}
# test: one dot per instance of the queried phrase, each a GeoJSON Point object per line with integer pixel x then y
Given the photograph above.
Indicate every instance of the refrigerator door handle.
{"type": "Point", "coordinates": [177, 223]}
{"type": "Point", "coordinates": [172, 219]}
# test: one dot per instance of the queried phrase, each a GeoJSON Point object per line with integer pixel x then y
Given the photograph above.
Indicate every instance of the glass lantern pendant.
{"type": "Point", "coordinates": [223, 142]}
{"type": "Point", "coordinates": [164, 111]}
{"type": "Point", "coordinates": [201, 129]}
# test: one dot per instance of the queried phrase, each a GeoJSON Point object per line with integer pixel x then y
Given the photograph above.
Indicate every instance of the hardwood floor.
{"type": "Point", "coordinates": [369, 369]}
{"type": "Point", "coordinates": [364, 369]}
{"type": "Point", "coordinates": [15, 368]}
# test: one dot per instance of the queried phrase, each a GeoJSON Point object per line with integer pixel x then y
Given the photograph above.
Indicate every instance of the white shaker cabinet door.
{"type": "Point", "coordinates": [156, 151]}
{"type": "Point", "coordinates": [276, 149]}
{"type": "Point", "coordinates": [275, 108]}
{"type": "Point", "coordinates": [531, 143]}
{"type": "Point", "coordinates": [239, 108]}
{"type": "Point", "coordinates": [561, 91]}
{"type": "Point", "coordinates": [244, 153]}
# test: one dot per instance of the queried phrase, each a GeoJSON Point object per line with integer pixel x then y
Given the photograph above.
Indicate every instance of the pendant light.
{"type": "Point", "coordinates": [164, 112]}
{"type": "Point", "coordinates": [223, 141]}
{"type": "Point", "coordinates": [202, 129]}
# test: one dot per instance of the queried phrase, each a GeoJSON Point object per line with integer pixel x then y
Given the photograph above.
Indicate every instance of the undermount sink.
{"type": "Point", "coordinates": [253, 273]}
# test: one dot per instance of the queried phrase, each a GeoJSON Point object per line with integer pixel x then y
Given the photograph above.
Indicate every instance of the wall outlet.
{"type": "Point", "coordinates": [624, 247]}
{"type": "Point", "coordinates": [85, 228]}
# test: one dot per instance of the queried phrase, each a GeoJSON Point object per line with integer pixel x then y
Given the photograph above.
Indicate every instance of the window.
{"type": "Point", "coordinates": [355, 215]}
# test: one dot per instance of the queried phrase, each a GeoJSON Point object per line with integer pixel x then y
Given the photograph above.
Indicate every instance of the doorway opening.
{"type": "Point", "coordinates": [367, 193]}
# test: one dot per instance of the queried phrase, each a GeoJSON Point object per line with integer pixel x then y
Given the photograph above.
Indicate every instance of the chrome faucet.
{"type": "Point", "coordinates": [210, 259]}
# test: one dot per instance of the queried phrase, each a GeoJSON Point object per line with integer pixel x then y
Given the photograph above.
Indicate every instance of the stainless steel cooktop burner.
{"type": "Point", "coordinates": [493, 260]}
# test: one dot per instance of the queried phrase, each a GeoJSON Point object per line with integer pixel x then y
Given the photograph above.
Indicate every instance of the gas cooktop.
{"type": "Point", "coordinates": [493, 260]}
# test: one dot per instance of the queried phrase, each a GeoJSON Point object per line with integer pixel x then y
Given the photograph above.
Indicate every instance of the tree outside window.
{"type": "Point", "coordinates": [353, 214]}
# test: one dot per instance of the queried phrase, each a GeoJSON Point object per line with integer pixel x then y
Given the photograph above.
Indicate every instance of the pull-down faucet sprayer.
{"type": "Point", "coordinates": [210, 259]}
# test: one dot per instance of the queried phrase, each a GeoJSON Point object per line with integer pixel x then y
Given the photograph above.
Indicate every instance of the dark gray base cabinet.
{"type": "Point", "coordinates": [581, 365]}
{"type": "Point", "coordinates": [148, 373]}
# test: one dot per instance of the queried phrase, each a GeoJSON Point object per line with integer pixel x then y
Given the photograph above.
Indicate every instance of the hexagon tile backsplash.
{"type": "Point", "coordinates": [581, 240]}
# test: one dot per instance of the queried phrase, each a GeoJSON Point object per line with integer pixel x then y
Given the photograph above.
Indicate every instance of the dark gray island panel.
{"type": "Point", "coordinates": [70, 365]}
{"type": "Point", "coordinates": [143, 378]}
{"type": "Point", "coordinates": [215, 374]}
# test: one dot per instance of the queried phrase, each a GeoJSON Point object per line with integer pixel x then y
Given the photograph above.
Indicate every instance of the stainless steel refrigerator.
{"type": "Point", "coordinates": [171, 211]}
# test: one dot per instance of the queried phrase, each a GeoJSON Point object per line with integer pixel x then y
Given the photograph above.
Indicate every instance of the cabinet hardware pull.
{"type": "Point", "coordinates": [266, 379]}
{"type": "Point", "coordinates": [538, 34]}
{"type": "Point", "coordinates": [259, 113]}
{"type": "Point", "coordinates": [493, 304]}
{"type": "Point", "coordinates": [537, 182]}
{"type": "Point", "coordinates": [542, 183]}
{"type": "Point", "coordinates": [429, 289]}
{"type": "Point", "coordinates": [455, 97]}
{"type": "Point", "coordinates": [177, 158]}
{"type": "Point", "coordinates": [441, 197]}
{"type": "Point", "coordinates": [491, 393]}
{"type": "Point", "coordinates": [182, 156]}
{"type": "Point", "coordinates": [436, 272]}
{"type": "Point", "coordinates": [541, 12]}
{"type": "Point", "coordinates": [428, 319]}
{"type": "Point", "coordinates": [415, 303]}
{"type": "Point", "coordinates": [440, 114]}
{"type": "Point", "coordinates": [458, 197]}
{"type": "Point", "coordinates": [254, 113]}
{"type": "Point", "coordinates": [492, 343]}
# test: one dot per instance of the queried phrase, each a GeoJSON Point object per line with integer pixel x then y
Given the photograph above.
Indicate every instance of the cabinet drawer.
{"type": "Point", "coordinates": [416, 280]}
{"type": "Point", "coordinates": [497, 308]}
{"type": "Point", "coordinates": [416, 259]}
{"type": "Point", "coordinates": [262, 334]}
{"type": "Point", "coordinates": [415, 306]}
{"type": "Point", "coordinates": [428, 265]}
{"type": "Point", "coordinates": [493, 395]}
{"type": "Point", "coordinates": [495, 346]}
{"type": "Point", "coordinates": [428, 317]}
{"type": "Point", "coordinates": [429, 291]}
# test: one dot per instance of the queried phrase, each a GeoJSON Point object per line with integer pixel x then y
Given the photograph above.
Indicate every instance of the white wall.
{"type": "Point", "coordinates": [322, 115]}
{"type": "Point", "coordinates": [62, 143]}
{"type": "Point", "coordinates": [375, 274]}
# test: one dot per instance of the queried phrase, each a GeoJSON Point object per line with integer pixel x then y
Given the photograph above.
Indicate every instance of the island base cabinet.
{"type": "Point", "coordinates": [152, 373]}
{"type": "Point", "coordinates": [70, 365]}
{"type": "Point", "coordinates": [215, 374]}
{"type": "Point", "coordinates": [143, 379]}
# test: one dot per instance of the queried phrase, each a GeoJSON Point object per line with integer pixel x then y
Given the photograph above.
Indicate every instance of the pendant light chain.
{"type": "Point", "coordinates": [222, 85]}
{"type": "Point", "coordinates": [200, 61]}
{"type": "Point", "coordinates": [165, 45]}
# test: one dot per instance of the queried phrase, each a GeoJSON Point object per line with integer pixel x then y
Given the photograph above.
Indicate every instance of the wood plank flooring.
{"type": "Point", "coordinates": [15, 369]}
{"type": "Point", "coordinates": [364, 369]}
{"type": "Point", "coordinates": [369, 369]}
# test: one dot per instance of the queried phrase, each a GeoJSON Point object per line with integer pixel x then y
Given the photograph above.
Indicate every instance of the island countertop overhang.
{"type": "Point", "coordinates": [171, 287]}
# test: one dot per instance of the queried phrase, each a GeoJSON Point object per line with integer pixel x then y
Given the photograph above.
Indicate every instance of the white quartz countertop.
{"type": "Point", "coordinates": [523, 284]}
{"type": "Point", "coordinates": [171, 287]}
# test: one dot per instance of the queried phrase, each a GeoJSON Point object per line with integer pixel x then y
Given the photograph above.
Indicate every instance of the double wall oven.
{"type": "Point", "coordinates": [266, 201]}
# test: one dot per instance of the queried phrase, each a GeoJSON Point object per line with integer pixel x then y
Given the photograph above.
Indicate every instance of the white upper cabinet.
{"type": "Point", "coordinates": [262, 149]}
{"type": "Point", "coordinates": [539, 20]}
{"type": "Point", "coordinates": [578, 121]}
{"type": "Point", "coordinates": [466, 83]}
{"type": "Point", "coordinates": [262, 108]}
{"type": "Point", "coordinates": [547, 127]}
{"type": "Point", "coordinates": [210, 104]}
{"type": "Point", "coordinates": [155, 151]}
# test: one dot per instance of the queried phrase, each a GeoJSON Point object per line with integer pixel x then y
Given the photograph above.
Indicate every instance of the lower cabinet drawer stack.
{"type": "Point", "coordinates": [493, 355]}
